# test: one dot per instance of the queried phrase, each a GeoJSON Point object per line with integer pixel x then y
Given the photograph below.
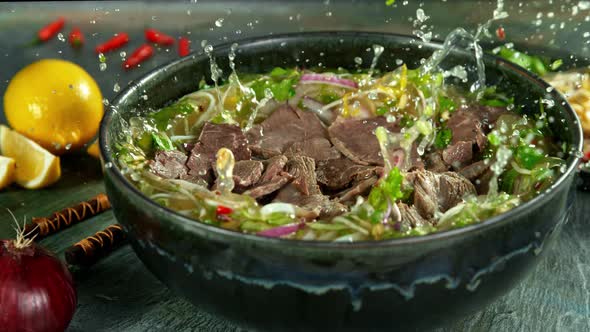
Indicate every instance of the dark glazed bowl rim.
{"type": "Point", "coordinates": [228, 235]}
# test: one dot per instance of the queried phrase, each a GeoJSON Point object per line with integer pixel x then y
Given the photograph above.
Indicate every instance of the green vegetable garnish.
{"type": "Point", "coordinates": [527, 156]}
{"type": "Point", "coordinates": [163, 116]}
{"type": "Point", "coordinates": [536, 64]}
{"type": "Point", "coordinates": [387, 191]}
{"type": "Point", "coordinates": [443, 138]}
{"type": "Point", "coordinates": [476, 209]}
{"type": "Point", "coordinates": [162, 142]}
{"type": "Point", "coordinates": [446, 104]}
{"type": "Point", "coordinates": [389, 2]}
{"type": "Point", "coordinates": [493, 98]}
{"type": "Point", "coordinates": [281, 83]}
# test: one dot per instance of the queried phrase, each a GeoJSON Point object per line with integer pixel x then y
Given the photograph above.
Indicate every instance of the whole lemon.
{"type": "Point", "coordinates": [56, 103]}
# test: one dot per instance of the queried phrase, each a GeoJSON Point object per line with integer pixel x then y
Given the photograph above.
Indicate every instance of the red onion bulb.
{"type": "Point", "coordinates": [37, 293]}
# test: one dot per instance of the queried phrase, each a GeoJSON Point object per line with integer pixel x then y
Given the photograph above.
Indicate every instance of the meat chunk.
{"type": "Point", "coordinates": [269, 187]}
{"type": "Point", "coordinates": [438, 191]}
{"type": "Point", "coordinates": [316, 148]}
{"type": "Point", "coordinates": [282, 128]}
{"type": "Point", "coordinates": [410, 217]}
{"type": "Point", "coordinates": [435, 163]}
{"type": "Point", "coordinates": [362, 187]}
{"type": "Point", "coordinates": [338, 174]}
{"type": "Point", "coordinates": [475, 170]}
{"type": "Point", "coordinates": [169, 164]}
{"type": "Point", "coordinates": [355, 138]}
{"type": "Point", "coordinates": [273, 167]}
{"type": "Point", "coordinates": [304, 191]}
{"type": "Point", "coordinates": [247, 173]}
{"type": "Point", "coordinates": [458, 154]}
{"type": "Point", "coordinates": [212, 138]}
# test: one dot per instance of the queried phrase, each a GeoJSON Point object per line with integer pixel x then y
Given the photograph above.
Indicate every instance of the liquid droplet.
{"type": "Point", "coordinates": [219, 22]}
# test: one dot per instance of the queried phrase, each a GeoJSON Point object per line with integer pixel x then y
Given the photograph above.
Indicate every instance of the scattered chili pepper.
{"type": "Point", "coordinates": [157, 37]}
{"type": "Point", "coordinates": [50, 30]}
{"type": "Point", "coordinates": [114, 43]}
{"type": "Point", "coordinates": [76, 38]}
{"type": "Point", "coordinates": [91, 249]}
{"type": "Point", "coordinates": [586, 157]}
{"type": "Point", "coordinates": [222, 210]}
{"type": "Point", "coordinates": [184, 47]}
{"type": "Point", "coordinates": [138, 56]}
{"type": "Point", "coordinates": [500, 33]}
{"type": "Point", "coordinates": [44, 226]}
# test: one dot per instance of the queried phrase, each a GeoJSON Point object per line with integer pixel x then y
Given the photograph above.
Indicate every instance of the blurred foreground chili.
{"type": "Point", "coordinates": [114, 43]}
{"type": "Point", "coordinates": [138, 56]}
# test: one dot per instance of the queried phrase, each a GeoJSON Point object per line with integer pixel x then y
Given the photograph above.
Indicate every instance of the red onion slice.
{"type": "Point", "coordinates": [323, 78]}
{"type": "Point", "coordinates": [281, 230]}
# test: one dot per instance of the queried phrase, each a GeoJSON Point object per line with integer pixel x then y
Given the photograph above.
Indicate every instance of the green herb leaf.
{"type": "Point", "coordinates": [164, 115]}
{"type": "Point", "coordinates": [446, 104]}
{"type": "Point", "coordinates": [389, 2]}
{"type": "Point", "coordinates": [443, 138]}
{"type": "Point", "coordinates": [387, 191]}
{"type": "Point", "coordinates": [527, 156]}
{"type": "Point", "coordinates": [162, 142]}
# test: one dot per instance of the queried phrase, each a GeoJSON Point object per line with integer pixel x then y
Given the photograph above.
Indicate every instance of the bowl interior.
{"type": "Point", "coordinates": [333, 50]}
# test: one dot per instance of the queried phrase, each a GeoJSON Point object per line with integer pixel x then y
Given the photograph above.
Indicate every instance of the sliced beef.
{"type": "Point", "coordinates": [282, 128]}
{"type": "Point", "coordinates": [475, 170]}
{"type": "Point", "coordinates": [273, 167]}
{"type": "Point", "coordinates": [355, 138]}
{"type": "Point", "coordinates": [216, 136]}
{"type": "Point", "coordinates": [247, 173]}
{"type": "Point", "coordinates": [269, 187]}
{"type": "Point", "coordinates": [410, 217]}
{"type": "Point", "coordinates": [435, 163]}
{"type": "Point", "coordinates": [212, 138]}
{"type": "Point", "coordinates": [304, 191]}
{"type": "Point", "coordinates": [362, 187]}
{"type": "Point", "coordinates": [337, 174]}
{"type": "Point", "coordinates": [452, 188]}
{"type": "Point", "coordinates": [458, 154]}
{"type": "Point", "coordinates": [317, 148]}
{"type": "Point", "coordinates": [169, 164]}
{"type": "Point", "coordinates": [438, 191]}
{"type": "Point", "coordinates": [468, 128]}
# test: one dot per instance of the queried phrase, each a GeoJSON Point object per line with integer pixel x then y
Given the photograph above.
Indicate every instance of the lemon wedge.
{"type": "Point", "coordinates": [35, 166]}
{"type": "Point", "coordinates": [93, 150]}
{"type": "Point", "coordinates": [7, 171]}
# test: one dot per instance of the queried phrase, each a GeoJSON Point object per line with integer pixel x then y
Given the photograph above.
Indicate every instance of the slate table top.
{"type": "Point", "coordinates": [119, 293]}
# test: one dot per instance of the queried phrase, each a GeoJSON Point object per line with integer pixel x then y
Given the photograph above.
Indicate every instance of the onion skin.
{"type": "Point", "coordinates": [37, 292]}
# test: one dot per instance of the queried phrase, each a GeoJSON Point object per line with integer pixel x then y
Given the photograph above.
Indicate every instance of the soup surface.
{"type": "Point", "coordinates": [341, 156]}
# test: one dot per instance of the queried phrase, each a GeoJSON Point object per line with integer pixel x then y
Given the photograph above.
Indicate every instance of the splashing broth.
{"type": "Point", "coordinates": [336, 155]}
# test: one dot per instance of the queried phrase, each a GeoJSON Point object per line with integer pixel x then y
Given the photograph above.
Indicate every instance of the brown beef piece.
{"type": "Point", "coordinates": [316, 148]}
{"type": "Point", "coordinates": [282, 128]}
{"type": "Point", "coordinates": [362, 187]}
{"type": "Point", "coordinates": [468, 128]}
{"type": "Point", "coordinates": [337, 174]}
{"type": "Point", "coordinates": [212, 138]}
{"type": "Point", "coordinates": [482, 183]}
{"type": "Point", "coordinates": [169, 164]}
{"type": "Point", "coordinates": [458, 154]}
{"type": "Point", "coordinates": [438, 191]}
{"type": "Point", "coordinates": [355, 138]}
{"type": "Point", "coordinates": [304, 191]}
{"type": "Point", "coordinates": [410, 217]}
{"type": "Point", "coordinates": [269, 187]}
{"type": "Point", "coordinates": [475, 170]}
{"type": "Point", "coordinates": [247, 173]}
{"type": "Point", "coordinates": [435, 163]}
{"type": "Point", "coordinates": [273, 167]}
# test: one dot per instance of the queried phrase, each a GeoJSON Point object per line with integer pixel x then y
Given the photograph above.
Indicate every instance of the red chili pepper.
{"type": "Point", "coordinates": [76, 38]}
{"type": "Point", "coordinates": [586, 157]}
{"type": "Point", "coordinates": [500, 33]}
{"type": "Point", "coordinates": [184, 47]}
{"type": "Point", "coordinates": [138, 56]}
{"type": "Point", "coordinates": [223, 210]}
{"type": "Point", "coordinates": [157, 37]}
{"type": "Point", "coordinates": [50, 30]}
{"type": "Point", "coordinates": [114, 43]}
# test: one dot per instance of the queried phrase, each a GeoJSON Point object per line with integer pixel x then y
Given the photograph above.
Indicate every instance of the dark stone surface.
{"type": "Point", "coordinates": [119, 294]}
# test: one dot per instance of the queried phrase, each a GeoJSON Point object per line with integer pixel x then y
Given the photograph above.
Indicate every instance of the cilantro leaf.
{"type": "Point", "coordinates": [443, 138]}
